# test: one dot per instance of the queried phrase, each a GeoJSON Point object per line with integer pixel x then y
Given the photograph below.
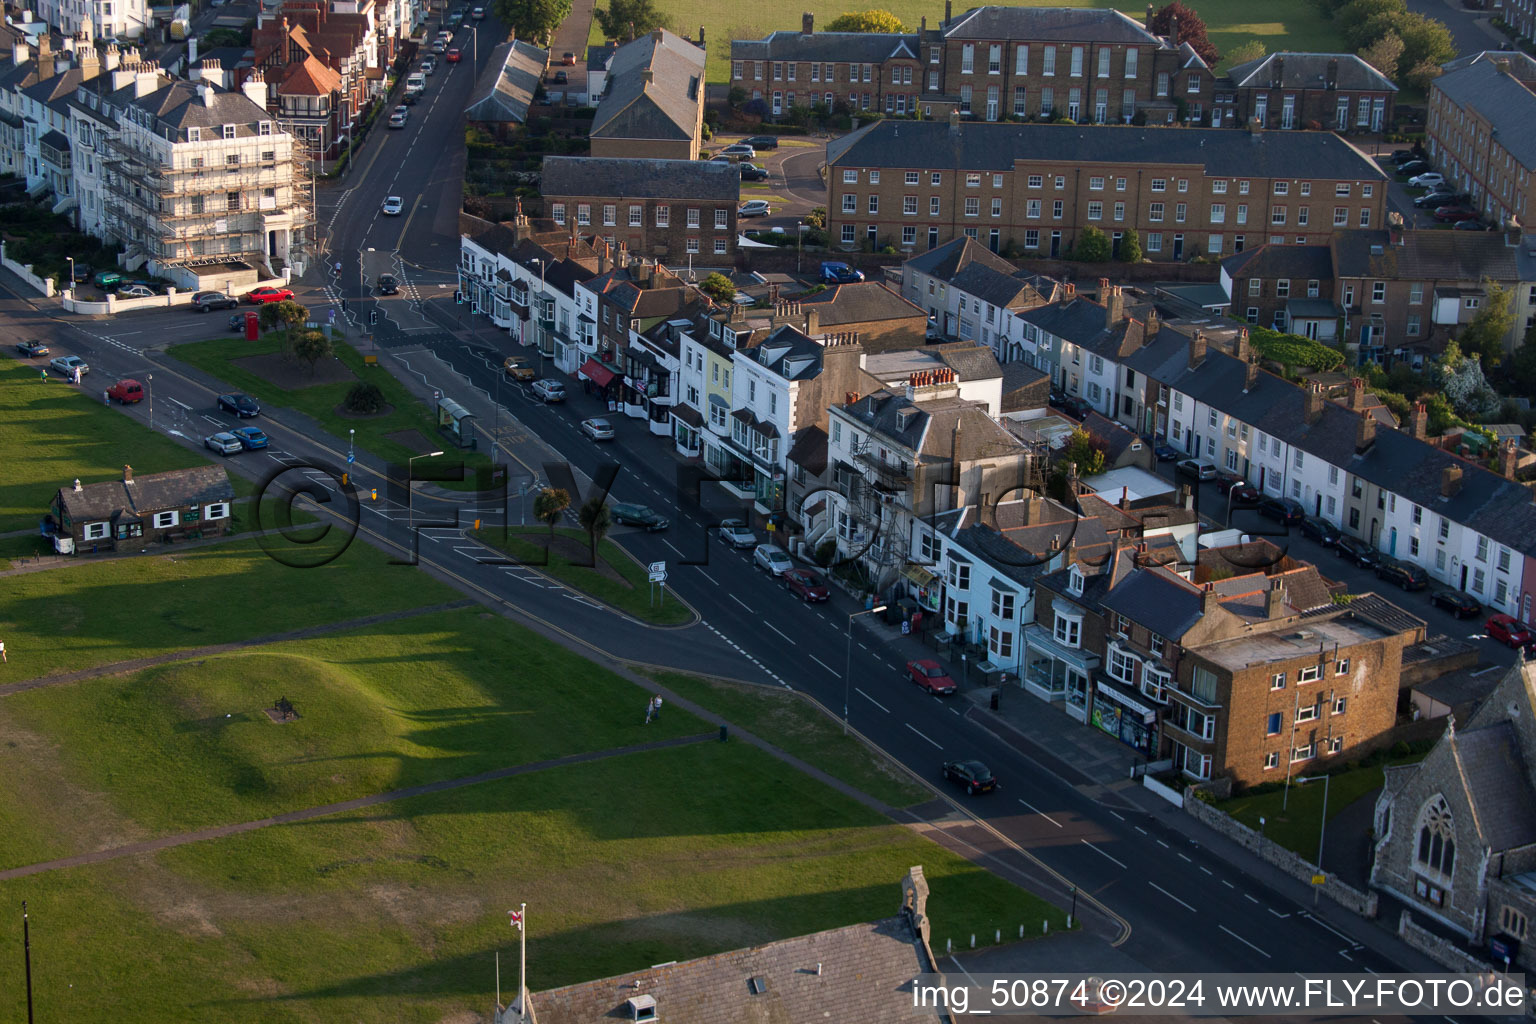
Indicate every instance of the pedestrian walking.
{"type": "Point", "coordinates": [657, 712]}
{"type": "Point", "coordinates": [74, 373]}
{"type": "Point", "coordinates": [338, 268]}
{"type": "Point", "coordinates": [650, 709]}
{"type": "Point", "coordinates": [2, 651]}
{"type": "Point", "coordinates": [106, 398]}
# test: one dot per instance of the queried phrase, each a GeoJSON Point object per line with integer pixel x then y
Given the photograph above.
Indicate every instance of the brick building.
{"type": "Point", "coordinates": [865, 70]}
{"type": "Point", "coordinates": [1479, 136]}
{"type": "Point", "coordinates": [1286, 287]}
{"type": "Point", "coordinates": [652, 103]}
{"type": "Point", "coordinates": [292, 45]}
{"type": "Point", "coordinates": [1330, 91]}
{"type": "Point", "coordinates": [1034, 187]}
{"type": "Point", "coordinates": [669, 208]}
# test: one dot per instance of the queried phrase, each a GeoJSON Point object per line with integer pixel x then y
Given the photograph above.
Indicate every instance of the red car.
{"type": "Point", "coordinates": [452, 55]}
{"type": "Point", "coordinates": [261, 296]}
{"type": "Point", "coordinates": [1453, 214]}
{"type": "Point", "coordinates": [928, 674]}
{"type": "Point", "coordinates": [1507, 630]}
{"type": "Point", "coordinates": [804, 583]}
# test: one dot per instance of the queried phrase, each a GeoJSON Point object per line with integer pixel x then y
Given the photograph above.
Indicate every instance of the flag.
{"type": "Point", "coordinates": [517, 919]}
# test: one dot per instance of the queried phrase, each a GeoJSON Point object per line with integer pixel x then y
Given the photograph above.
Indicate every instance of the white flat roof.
{"type": "Point", "coordinates": [1135, 483]}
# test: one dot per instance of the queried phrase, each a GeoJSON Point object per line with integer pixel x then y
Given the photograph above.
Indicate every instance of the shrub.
{"type": "Point", "coordinates": [364, 398]}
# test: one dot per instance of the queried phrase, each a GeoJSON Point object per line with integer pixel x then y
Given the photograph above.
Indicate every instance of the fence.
{"type": "Point", "coordinates": [113, 305]}
{"type": "Point", "coordinates": [42, 284]}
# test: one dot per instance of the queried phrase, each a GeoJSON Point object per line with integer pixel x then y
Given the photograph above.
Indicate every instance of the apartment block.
{"type": "Point", "coordinates": [1035, 187]}
{"type": "Point", "coordinates": [1479, 136]}
{"type": "Point", "coordinates": [666, 208]}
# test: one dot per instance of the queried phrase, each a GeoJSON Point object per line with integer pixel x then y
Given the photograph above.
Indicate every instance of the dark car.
{"type": "Point", "coordinates": [973, 775]}
{"type": "Point", "coordinates": [1456, 602]}
{"type": "Point", "coordinates": [1402, 156]}
{"type": "Point", "coordinates": [1226, 480]}
{"type": "Point", "coordinates": [388, 285]}
{"type": "Point", "coordinates": [637, 515]}
{"type": "Point", "coordinates": [1283, 510]}
{"type": "Point", "coordinates": [762, 142]}
{"type": "Point", "coordinates": [752, 172]}
{"type": "Point", "coordinates": [807, 585]}
{"type": "Point", "coordinates": [32, 348]}
{"type": "Point", "coordinates": [1320, 530]}
{"type": "Point", "coordinates": [561, 78]}
{"type": "Point", "coordinates": [1356, 550]}
{"type": "Point", "coordinates": [1244, 495]}
{"type": "Point", "coordinates": [237, 321]}
{"type": "Point", "coordinates": [83, 272]}
{"type": "Point", "coordinates": [1412, 167]}
{"type": "Point", "coordinates": [1165, 452]}
{"type": "Point", "coordinates": [1433, 200]}
{"type": "Point", "coordinates": [243, 406]}
{"type": "Point", "coordinates": [1409, 577]}
{"type": "Point", "coordinates": [1471, 225]}
{"type": "Point", "coordinates": [1453, 214]}
{"type": "Point", "coordinates": [930, 675]}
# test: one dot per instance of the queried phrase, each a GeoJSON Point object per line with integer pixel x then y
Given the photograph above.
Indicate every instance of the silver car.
{"type": "Point", "coordinates": [68, 364]}
{"type": "Point", "coordinates": [224, 443]}
{"type": "Point", "coordinates": [737, 534]}
{"type": "Point", "coordinates": [772, 559]}
{"type": "Point", "coordinates": [549, 390]}
{"type": "Point", "coordinates": [597, 429]}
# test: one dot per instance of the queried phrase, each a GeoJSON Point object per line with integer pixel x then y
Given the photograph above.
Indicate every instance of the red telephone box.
{"type": "Point", "coordinates": [252, 326]}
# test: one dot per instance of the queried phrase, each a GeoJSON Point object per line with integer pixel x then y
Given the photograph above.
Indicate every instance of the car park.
{"type": "Point", "coordinates": [452, 56]}
{"type": "Point", "coordinates": [1506, 629]}
{"type": "Point", "coordinates": [204, 301]}
{"type": "Point", "coordinates": [740, 151]}
{"type": "Point", "coordinates": [241, 405]}
{"type": "Point", "coordinates": [737, 534]}
{"type": "Point", "coordinates": [224, 443]}
{"type": "Point", "coordinates": [1283, 510]}
{"type": "Point", "coordinates": [752, 172]}
{"type": "Point", "coordinates": [1355, 550]}
{"type": "Point", "coordinates": [393, 206]}
{"type": "Point", "coordinates": [549, 390]}
{"type": "Point", "coordinates": [251, 438]}
{"type": "Point", "coordinates": [32, 349]}
{"type": "Point", "coordinates": [642, 516]}
{"type": "Point", "coordinates": [262, 296]}
{"type": "Point", "coordinates": [1320, 530]}
{"type": "Point", "coordinates": [67, 365]}
{"type": "Point", "coordinates": [1458, 603]}
{"type": "Point", "coordinates": [126, 392]}
{"type": "Point", "coordinates": [1195, 469]}
{"type": "Point", "coordinates": [930, 675]}
{"type": "Point", "coordinates": [762, 142]}
{"type": "Point", "coordinates": [388, 285]}
{"type": "Point", "coordinates": [754, 208]}
{"type": "Point", "coordinates": [836, 272]}
{"type": "Point", "coordinates": [807, 585]}
{"type": "Point", "coordinates": [135, 291]}
{"type": "Point", "coordinates": [1428, 179]}
{"type": "Point", "coordinates": [1403, 574]}
{"type": "Point", "coordinates": [1165, 452]}
{"type": "Point", "coordinates": [597, 429]}
{"type": "Point", "coordinates": [772, 559]}
{"type": "Point", "coordinates": [973, 775]}
{"type": "Point", "coordinates": [518, 369]}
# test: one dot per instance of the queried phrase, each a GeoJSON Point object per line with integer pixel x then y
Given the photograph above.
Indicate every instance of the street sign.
{"type": "Point", "coordinates": [1319, 879]}
{"type": "Point", "coordinates": [658, 567]}
{"type": "Point", "coordinates": [351, 458]}
{"type": "Point", "coordinates": [658, 577]}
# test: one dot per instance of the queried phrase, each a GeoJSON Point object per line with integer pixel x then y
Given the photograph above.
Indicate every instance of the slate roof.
{"type": "Point", "coordinates": [843, 47]}
{"type": "Point", "coordinates": [1425, 255]}
{"type": "Point", "coordinates": [1292, 262]}
{"type": "Point", "coordinates": [1497, 783]}
{"type": "Point", "coordinates": [505, 89]}
{"type": "Point", "coordinates": [1156, 599]}
{"type": "Point", "coordinates": [668, 106]}
{"type": "Point", "coordinates": [1522, 65]}
{"type": "Point", "coordinates": [983, 146]}
{"type": "Point", "coordinates": [1503, 100]}
{"type": "Point", "coordinates": [931, 430]}
{"type": "Point", "coordinates": [1308, 71]}
{"type": "Point", "coordinates": [970, 361]}
{"type": "Point", "coordinates": [1049, 24]}
{"type": "Point", "coordinates": [155, 492]}
{"type": "Point", "coordinates": [810, 450]}
{"type": "Point", "coordinates": [866, 976]}
{"type": "Point", "coordinates": [1020, 375]}
{"type": "Point", "coordinates": [789, 353]}
{"type": "Point", "coordinates": [640, 179]}
{"type": "Point", "coordinates": [859, 303]}
{"type": "Point", "coordinates": [1114, 437]}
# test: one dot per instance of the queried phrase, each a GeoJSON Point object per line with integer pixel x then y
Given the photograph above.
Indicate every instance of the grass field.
{"type": "Point", "coordinates": [630, 593]}
{"type": "Point", "coordinates": [796, 728]}
{"type": "Point", "coordinates": [393, 914]}
{"type": "Point", "coordinates": [52, 433]}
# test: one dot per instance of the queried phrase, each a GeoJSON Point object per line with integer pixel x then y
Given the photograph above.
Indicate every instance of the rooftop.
{"type": "Point", "coordinates": [1505, 102]}
{"type": "Point", "coordinates": [640, 179]}
{"type": "Point", "coordinates": [1294, 640]}
{"type": "Point", "coordinates": [1050, 24]}
{"type": "Point", "coordinates": [654, 90]}
{"type": "Point", "coordinates": [505, 89]}
{"type": "Point", "coordinates": [1310, 71]}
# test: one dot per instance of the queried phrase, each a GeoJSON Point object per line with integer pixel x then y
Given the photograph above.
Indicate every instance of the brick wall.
{"type": "Point", "coordinates": [650, 238]}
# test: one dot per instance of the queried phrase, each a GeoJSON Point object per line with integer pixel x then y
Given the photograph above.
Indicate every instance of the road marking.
{"type": "Point", "coordinates": [1249, 898]}
{"type": "Point", "coordinates": [968, 975]}
{"type": "Point", "coordinates": [1138, 828]}
{"type": "Point", "coordinates": [1117, 816]}
{"type": "Point", "coordinates": [1164, 845]}
{"type": "Point", "coordinates": [1335, 931]}
{"type": "Point", "coordinates": [1244, 941]}
{"type": "Point", "coordinates": [740, 602]}
{"type": "Point", "coordinates": [1365, 968]}
{"type": "Point", "coordinates": [674, 548]}
{"type": "Point", "coordinates": [1346, 956]}
{"type": "Point", "coordinates": [1207, 870]}
{"type": "Point", "coordinates": [1277, 913]}
{"type": "Point", "coordinates": [1228, 884]}
{"type": "Point", "coordinates": [1185, 859]}
{"type": "Point", "coordinates": [1171, 896]}
{"type": "Point", "coordinates": [706, 575]}
{"type": "Point", "coordinates": [909, 726]}
{"type": "Point", "coordinates": [876, 703]}
{"type": "Point", "coordinates": [1101, 853]}
{"type": "Point", "coordinates": [781, 633]}
{"type": "Point", "coordinates": [1042, 814]}
{"type": "Point", "coordinates": [824, 665]}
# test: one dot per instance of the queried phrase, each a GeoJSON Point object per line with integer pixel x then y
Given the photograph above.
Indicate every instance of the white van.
{"type": "Point", "coordinates": [416, 83]}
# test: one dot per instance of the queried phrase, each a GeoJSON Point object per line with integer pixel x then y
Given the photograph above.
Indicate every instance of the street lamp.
{"type": "Point", "coordinates": [149, 396]}
{"type": "Point", "coordinates": [848, 664]}
{"type": "Point", "coordinates": [1072, 914]}
{"type": "Point", "coordinates": [71, 274]}
{"type": "Point", "coordinates": [410, 481]}
{"type": "Point", "coordinates": [1322, 828]}
{"type": "Point", "coordinates": [528, 488]}
{"type": "Point", "coordinates": [799, 240]}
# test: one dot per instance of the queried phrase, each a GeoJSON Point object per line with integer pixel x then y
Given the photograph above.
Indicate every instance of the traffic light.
{"type": "Point", "coordinates": [458, 297]}
{"type": "Point", "coordinates": [373, 316]}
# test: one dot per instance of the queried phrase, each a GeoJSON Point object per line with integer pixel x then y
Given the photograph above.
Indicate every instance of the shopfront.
{"type": "Point", "coordinates": [1056, 672]}
{"type": "Point", "coordinates": [1119, 712]}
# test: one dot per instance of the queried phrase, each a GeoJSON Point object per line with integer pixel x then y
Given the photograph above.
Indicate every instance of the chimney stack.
{"type": "Point", "coordinates": [1365, 431]}
{"type": "Point", "coordinates": [647, 76]}
{"type": "Point", "coordinates": [1312, 405]}
{"type": "Point", "coordinates": [192, 51]}
{"type": "Point", "coordinates": [1274, 600]}
{"type": "Point", "coordinates": [1279, 72]}
{"type": "Point", "coordinates": [656, 35]}
{"type": "Point", "coordinates": [1418, 421]}
{"type": "Point", "coordinates": [954, 120]}
{"type": "Point", "coordinates": [949, 11]}
{"type": "Point", "coordinates": [1241, 347]}
{"type": "Point", "coordinates": [205, 93]}
{"type": "Point", "coordinates": [1034, 510]}
{"type": "Point", "coordinates": [1250, 375]}
{"type": "Point", "coordinates": [127, 474]}
{"type": "Point", "coordinates": [1450, 481]}
{"type": "Point", "coordinates": [1209, 599]}
{"type": "Point", "coordinates": [1357, 394]}
{"type": "Point", "coordinates": [1151, 13]}
{"type": "Point", "coordinates": [255, 89]}
{"type": "Point", "coordinates": [807, 23]}
{"type": "Point", "coordinates": [812, 322]}
{"type": "Point", "coordinates": [1509, 455]}
{"type": "Point", "coordinates": [1197, 345]}
{"type": "Point", "coordinates": [1173, 31]}
{"type": "Point", "coordinates": [1114, 302]}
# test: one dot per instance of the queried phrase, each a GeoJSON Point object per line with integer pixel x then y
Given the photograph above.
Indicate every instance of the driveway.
{"type": "Point", "coordinates": [794, 186]}
{"type": "Point", "coordinates": [571, 37]}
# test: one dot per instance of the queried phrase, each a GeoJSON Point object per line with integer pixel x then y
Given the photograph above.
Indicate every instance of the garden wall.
{"type": "Point", "coordinates": [114, 305]}
{"type": "Point", "coordinates": [43, 285]}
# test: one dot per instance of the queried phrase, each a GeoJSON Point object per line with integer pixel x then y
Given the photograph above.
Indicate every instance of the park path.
{"type": "Point", "coordinates": [122, 667]}
{"type": "Point", "coordinates": [307, 813]}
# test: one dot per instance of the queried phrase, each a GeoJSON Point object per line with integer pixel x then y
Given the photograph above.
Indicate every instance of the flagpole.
{"type": "Point", "coordinates": [499, 1007]}
{"type": "Point", "coordinates": [522, 967]}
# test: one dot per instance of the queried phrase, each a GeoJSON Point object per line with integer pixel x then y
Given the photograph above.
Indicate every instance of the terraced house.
{"type": "Point", "coordinates": [1331, 91]}
{"type": "Point", "coordinates": [670, 208]}
{"type": "Point", "coordinates": [1034, 187]}
{"type": "Point", "coordinates": [1479, 135]}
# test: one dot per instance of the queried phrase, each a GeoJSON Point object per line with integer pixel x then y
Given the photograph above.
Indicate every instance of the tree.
{"type": "Point", "coordinates": [866, 21]}
{"type": "Point", "coordinates": [1130, 247]}
{"type": "Point", "coordinates": [1384, 54]}
{"type": "Point", "coordinates": [623, 15]}
{"type": "Point", "coordinates": [1523, 366]}
{"type": "Point", "coordinates": [1244, 52]}
{"type": "Point", "coordinates": [1191, 30]}
{"type": "Point", "coordinates": [1461, 382]}
{"type": "Point", "coordinates": [1092, 246]}
{"type": "Point", "coordinates": [1484, 335]}
{"type": "Point", "coordinates": [311, 347]}
{"type": "Point", "coordinates": [287, 313]}
{"type": "Point", "coordinates": [1081, 451]}
{"type": "Point", "coordinates": [718, 287]}
{"type": "Point", "coordinates": [532, 19]}
{"type": "Point", "coordinates": [550, 505]}
{"type": "Point", "coordinates": [364, 397]}
{"type": "Point", "coordinates": [1427, 44]}
{"type": "Point", "coordinates": [593, 517]}
{"type": "Point", "coordinates": [1353, 18]}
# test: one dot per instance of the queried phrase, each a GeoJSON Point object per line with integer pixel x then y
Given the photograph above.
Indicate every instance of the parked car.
{"type": "Point", "coordinates": [754, 208]}
{"type": "Point", "coordinates": [1195, 469]}
{"type": "Point", "coordinates": [1405, 575]}
{"type": "Point", "coordinates": [478, 14]}
{"type": "Point", "coordinates": [737, 534]}
{"type": "Point", "coordinates": [1165, 452]}
{"type": "Point", "coordinates": [83, 272]}
{"type": "Point", "coordinates": [809, 586]}
{"type": "Point", "coordinates": [1471, 225]}
{"type": "Point", "coordinates": [135, 291]}
{"type": "Point", "coordinates": [1413, 167]}
{"type": "Point", "coordinates": [740, 150]}
{"type": "Point", "coordinates": [973, 775]}
{"type": "Point", "coordinates": [105, 279]}
{"type": "Point", "coordinates": [67, 365]}
{"type": "Point", "coordinates": [835, 272]}
{"type": "Point", "coordinates": [1226, 480]}
{"type": "Point", "coordinates": [1288, 511]}
{"type": "Point", "coordinates": [1320, 530]}
{"type": "Point", "coordinates": [1427, 179]}
{"type": "Point", "coordinates": [239, 405]}
{"type": "Point", "coordinates": [597, 429]}
{"type": "Point", "coordinates": [549, 390]}
{"type": "Point", "coordinates": [1355, 550]}
{"type": "Point", "coordinates": [1506, 629]}
{"type": "Point", "coordinates": [126, 392]}
{"type": "Point", "coordinates": [224, 443]}
{"type": "Point", "coordinates": [1454, 214]}
{"type": "Point", "coordinates": [429, 64]}
{"type": "Point", "coordinates": [752, 172]}
{"type": "Point", "coordinates": [237, 321]}
{"type": "Point", "coordinates": [1402, 156]}
{"type": "Point", "coordinates": [1244, 495]}
{"type": "Point", "coordinates": [930, 675]}
{"type": "Point", "coordinates": [517, 368]}
{"type": "Point", "coordinates": [762, 142]}
{"type": "Point", "coordinates": [637, 515]}
{"type": "Point", "coordinates": [204, 301]}
{"type": "Point", "coordinates": [452, 56]}
{"type": "Point", "coordinates": [393, 206]}
{"type": "Point", "coordinates": [772, 559]}
{"type": "Point", "coordinates": [251, 438]}
{"type": "Point", "coordinates": [399, 116]}
{"type": "Point", "coordinates": [261, 296]}
{"type": "Point", "coordinates": [32, 349]}
{"type": "Point", "coordinates": [388, 285]}
{"type": "Point", "coordinates": [561, 78]}
{"type": "Point", "coordinates": [1431, 200]}
{"type": "Point", "coordinates": [438, 46]}
{"type": "Point", "coordinates": [568, 59]}
{"type": "Point", "coordinates": [1458, 603]}
{"type": "Point", "coordinates": [455, 19]}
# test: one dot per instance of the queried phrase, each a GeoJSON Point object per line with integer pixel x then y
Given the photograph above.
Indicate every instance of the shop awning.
{"type": "Point", "coordinates": [597, 373]}
{"type": "Point", "coordinates": [1125, 697]}
{"type": "Point", "coordinates": [918, 575]}
{"type": "Point", "coordinates": [1038, 637]}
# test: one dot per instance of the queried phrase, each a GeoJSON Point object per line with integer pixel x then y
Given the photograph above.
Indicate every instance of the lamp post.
{"type": "Point", "coordinates": [71, 274]}
{"type": "Point", "coordinates": [799, 241]}
{"type": "Point", "coordinates": [528, 488]}
{"type": "Point", "coordinates": [1322, 828]}
{"type": "Point", "coordinates": [1072, 914]}
{"type": "Point", "coordinates": [848, 664]}
{"type": "Point", "coordinates": [410, 485]}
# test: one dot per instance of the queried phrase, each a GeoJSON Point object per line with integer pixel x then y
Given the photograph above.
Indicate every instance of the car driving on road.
{"type": "Point", "coordinates": [393, 205]}
{"type": "Point", "coordinates": [737, 534]}
{"type": "Point", "coordinates": [930, 675]}
{"type": "Point", "coordinates": [261, 296]}
{"type": "Point", "coordinates": [597, 429]}
{"type": "Point", "coordinates": [251, 438]}
{"type": "Point", "coordinates": [224, 443]}
{"type": "Point", "coordinates": [240, 405]}
{"type": "Point", "coordinates": [642, 516]}
{"type": "Point", "coordinates": [388, 285]}
{"type": "Point", "coordinates": [973, 775]}
{"type": "Point", "coordinates": [549, 390]}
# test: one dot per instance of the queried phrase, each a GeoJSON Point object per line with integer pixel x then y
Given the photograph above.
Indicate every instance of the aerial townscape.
{"type": "Point", "coordinates": [707, 513]}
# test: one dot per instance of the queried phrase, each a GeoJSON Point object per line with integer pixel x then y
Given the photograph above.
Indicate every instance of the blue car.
{"type": "Point", "coordinates": [251, 437]}
{"type": "Point", "coordinates": [1166, 452]}
{"type": "Point", "coordinates": [833, 272]}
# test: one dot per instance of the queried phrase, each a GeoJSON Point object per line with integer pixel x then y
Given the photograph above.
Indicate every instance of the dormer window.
{"type": "Point", "coordinates": [1075, 581]}
{"type": "Point", "coordinates": [194, 135]}
{"type": "Point", "coordinates": [229, 131]}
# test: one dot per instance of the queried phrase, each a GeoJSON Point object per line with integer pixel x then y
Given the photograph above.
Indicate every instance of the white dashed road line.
{"type": "Point", "coordinates": [1101, 853]}
{"type": "Point", "coordinates": [1244, 941]}
{"type": "Point", "coordinates": [1171, 896]}
{"type": "Point", "coordinates": [910, 726]}
{"type": "Point", "coordinates": [877, 704]}
{"type": "Point", "coordinates": [824, 665]}
{"type": "Point", "coordinates": [1042, 814]}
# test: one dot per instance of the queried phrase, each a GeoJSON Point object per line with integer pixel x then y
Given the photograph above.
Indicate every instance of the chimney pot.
{"type": "Point", "coordinates": [1365, 431]}
{"type": "Point", "coordinates": [1450, 481]}
{"type": "Point", "coordinates": [1197, 346]}
{"type": "Point", "coordinates": [77, 485]}
{"type": "Point", "coordinates": [807, 23]}
{"type": "Point", "coordinates": [127, 474]}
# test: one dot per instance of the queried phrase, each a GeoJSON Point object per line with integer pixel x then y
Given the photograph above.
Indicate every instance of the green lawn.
{"type": "Point", "coordinates": [52, 433]}
{"type": "Point", "coordinates": [571, 564]}
{"type": "Point", "coordinates": [118, 609]}
{"type": "Point", "coordinates": [792, 725]}
{"type": "Point", "coordinates": [393, 914]}
{"type": "Point", "coordinates": [386, 707]}
{"type": "Point", "coordinates": [320, 401]}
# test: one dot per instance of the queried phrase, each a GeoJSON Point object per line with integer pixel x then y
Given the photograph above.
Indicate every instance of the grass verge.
{"type": "Point", "coordinates": [792, 725]}
{"type": "Point", "coordinates": [624, 586]}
